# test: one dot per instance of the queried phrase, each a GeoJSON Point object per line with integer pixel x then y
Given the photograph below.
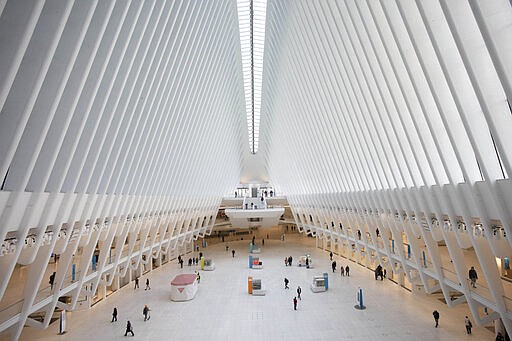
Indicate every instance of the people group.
{"type": "Point", "coordinates": [288, 261]}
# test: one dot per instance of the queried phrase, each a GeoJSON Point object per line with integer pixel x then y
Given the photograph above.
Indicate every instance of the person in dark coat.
{"type": "Point", "coordinates": [333, 265]}
{"type": "Point", "coordinates": [114, 315]}
{"type": "Point", "coordinates": [330, 255]}
{"type": "Point", "coordinates": [347, 270]}
{"type": "Point", "coordinates": [295, 303]}
{"type": "Point", "coordinates": [286, 281]}
{"type": "Point", "coordinates": [129, 329]}
{"type": "Point", "coordinates": [145, 312]}
{"type": "Point", "coordinates": [473, 276]}
{"type": "Point", "coordinates": [136, 283]}
{"type": "Point", "coordinates": [299, 291]}
{"type": "Point", "coordinates": [147, 284]}
{"type": "Point", "coordinates": [290, 261]}
{"type": "Point", "coordinates": [52, 279]}
{"type": "Point", "coordinates": [436, 317]}
{"type": "Point", "coordinates": [233, 253]}
{"type": "Point", "coordinates": [468, 324]}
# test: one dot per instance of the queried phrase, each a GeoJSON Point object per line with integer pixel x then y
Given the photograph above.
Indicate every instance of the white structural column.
{"type": "Point", "coordinates": [394, 117]}
{"type": "Point", "coordinates": [122, 127]}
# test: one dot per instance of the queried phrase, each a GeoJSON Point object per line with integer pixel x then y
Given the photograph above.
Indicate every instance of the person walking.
{"type": "Point", "coordinates": [262, 242]}
{"type": "Point", "coordinates": [468, 324]}
{"type": "Point", "coordinates": [114, 315]}
{"type": "Point", "coordinates": [233, 253]}
{"type": "Point", "coordinates": [295, 303]}
{"type": "Point", "coordinates": [286, 281]}
{"type": "Point", "coordinates": [285, 261]}
{"type": "Point", "coordinates": [342, 271]}
{"type": "Point", "coordinates": [145, 312]}
{"type": "Point", "coordinates": [290, 261]}
{"type": "Point", "coordinates": [227, 248]}
{"type": "Point", "coordinates": [136, 283]}
{"type": "Point", "coordinates": [147, 284]}
{"type": "Point", "coordinates": [473, 276]}
{"type": "Point", "coordinates": [347, 270]}
{"type": "Point", "coordinates": [181, 263]}
{"type": "Point", "coordinates": [307, 262]}
{"type": "Point", "coordinates": [333, 265]}
{"type": "Point", "coordinates": [330, 255]}
{"type": "Point", "coordinates": [436, 317]}
{"type": "Point", "coordinates": [129, 328]}
{"type": "Point", "coordinates": [52, 280]}
{"type": "Point", "coordinates": [299, 291]}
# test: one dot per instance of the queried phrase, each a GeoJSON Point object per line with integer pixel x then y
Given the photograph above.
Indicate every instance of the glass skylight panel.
{"type": "Point", "coordinates": [252, 62]}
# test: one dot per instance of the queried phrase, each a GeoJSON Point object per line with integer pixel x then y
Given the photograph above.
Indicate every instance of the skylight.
{"type": "Point", "coordinates": [251, 19]}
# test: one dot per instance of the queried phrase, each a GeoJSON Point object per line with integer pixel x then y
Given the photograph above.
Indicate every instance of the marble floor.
{"type": "Point", "coordinates": [223, 310]}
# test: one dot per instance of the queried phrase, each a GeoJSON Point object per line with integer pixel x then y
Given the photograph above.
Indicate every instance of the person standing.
{"type": "Point", "coordinates": [262, 242]}
{"type": "Point", "coordinates": [295, 303]}
{"type": "Point", "coordinates": [347, 270]}
{"type": "Point", "coordinates": [436, 317]}
{"type": "Point", "coordinates": [468, 324]}
{"type": "Point", "coordinates": [299, 291]}
{"type": "Point", "coordinates": [233, 253]}
{"type": "Point", "coordinates": [307, 262]}
{"type": "Point", "coordinates": [333, 265]}
{"type": "Point", "coordinates": [136, 283]}
{"type": "Point", "coordinates": [147, 284]}
{"type": "Point", "coordinates": [342, 271]}
{"type": "Point", "coordinates": [286, 281]}
{"type": "Point", "coordinates": [330, 255]}
{"type": "Point", "coordinates": [52, 280]}
{"type": "Point", "coordinates": [181, 263]}
{"type": "Point", "coordinates": [473, 276]}
{"type": "Point", "coordinates": [285, 261]}
{"type": "Point", "coordinates": [145, 312]}
{"type": "Point", "coordinates": [227, 248]}
{"type": "Point", "coordinates": [129, 328]}
{"type": "Point", "coordinates": [114, 315]}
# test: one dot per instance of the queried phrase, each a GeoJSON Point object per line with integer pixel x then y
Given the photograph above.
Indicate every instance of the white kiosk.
{"type": "Point", "coordinates": [255, 287]}
{"type": "Point", "coordinates": [184, 287]}
{"type": "Point", "coordinates": [305, 261]}
{"type": "Point", "coordinates": [320, 283]}
{"type": "Point", "coordinates": [253, 248]}
{"type": "Point", "coordinates": [207, 264]}
{"type": "Point", "coordinates": [255, 262]}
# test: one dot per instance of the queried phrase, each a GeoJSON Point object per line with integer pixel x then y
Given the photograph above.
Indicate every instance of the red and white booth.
{"type": "Point", "coordinates": [184, 287]}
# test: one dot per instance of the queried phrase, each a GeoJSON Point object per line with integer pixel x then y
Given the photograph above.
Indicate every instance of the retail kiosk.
{"type": "Point", "coordinates": [253, 248]}
{"type": "Point", "coordinates": [255, 262]}
{"type": "Point", "coordinates": [184, 287]}
{"type": "Point", "coordinates": [320, 283]}
{"type": "Point", "coordinates": [255, 287]}
{"type": "Point", "coordinates": [306, 261]}
{"type": "Point", "coordinates": [207, 264]}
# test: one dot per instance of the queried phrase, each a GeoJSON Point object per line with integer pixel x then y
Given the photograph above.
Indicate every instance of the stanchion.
{"type": "Point", "coordinates": [62, 322]}
{"type": "Point", "coordinates": [360, 305]}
